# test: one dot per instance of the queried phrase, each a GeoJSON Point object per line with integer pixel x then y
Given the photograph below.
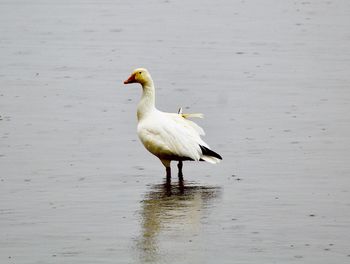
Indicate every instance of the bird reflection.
{"type": "Point", "coordinates": [172, 209]}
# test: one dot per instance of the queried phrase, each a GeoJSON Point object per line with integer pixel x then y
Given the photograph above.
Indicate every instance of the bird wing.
{"type": "Point", "coordinates": [171, 134]}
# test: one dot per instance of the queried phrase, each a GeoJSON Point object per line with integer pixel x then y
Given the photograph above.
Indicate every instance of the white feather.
{"type": "Point", "coordinates": [210, 159]}
{"type": "Point", "coordinates": [167, 134]}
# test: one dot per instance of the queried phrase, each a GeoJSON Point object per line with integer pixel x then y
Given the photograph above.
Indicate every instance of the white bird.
{"type": "Point", "coordinates": [169, 136]}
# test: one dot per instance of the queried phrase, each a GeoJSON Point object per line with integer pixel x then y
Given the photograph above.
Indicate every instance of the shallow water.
{"type": "Point", "coordinates": [272, 79]}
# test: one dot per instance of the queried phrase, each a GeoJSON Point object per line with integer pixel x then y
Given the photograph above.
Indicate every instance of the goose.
{"type": "Point", "coordinates": [168, 136]}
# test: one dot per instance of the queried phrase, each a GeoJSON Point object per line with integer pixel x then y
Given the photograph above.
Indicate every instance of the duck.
{"type": "Point", "coordinates": [168, 136]}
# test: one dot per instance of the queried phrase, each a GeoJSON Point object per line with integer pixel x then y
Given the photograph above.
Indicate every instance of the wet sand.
{"type": "Point", "coordinates": [272, 79]}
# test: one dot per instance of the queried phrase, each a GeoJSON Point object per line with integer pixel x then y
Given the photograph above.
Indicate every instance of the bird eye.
{"type": "Point", "coordinates": [140, 72]}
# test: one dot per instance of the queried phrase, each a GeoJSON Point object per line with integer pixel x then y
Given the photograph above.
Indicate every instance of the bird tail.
{"type": "Point", "coordinates": [210, 159]}
{"type": "Point", "coordinates": [209, 155]}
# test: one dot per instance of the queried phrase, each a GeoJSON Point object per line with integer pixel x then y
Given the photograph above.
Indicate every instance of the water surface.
{"type": "Point", "coordinates": [271, 77]}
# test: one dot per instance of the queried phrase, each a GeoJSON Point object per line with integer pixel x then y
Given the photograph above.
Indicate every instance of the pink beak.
{"type": "Point", "coordinates": [130, 80]}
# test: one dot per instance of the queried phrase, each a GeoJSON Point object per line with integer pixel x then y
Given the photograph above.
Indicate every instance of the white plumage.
{"type": "Point", "coordinates": [169, 136]}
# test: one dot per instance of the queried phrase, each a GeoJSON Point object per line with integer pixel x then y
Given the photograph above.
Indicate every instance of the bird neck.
{"type": "Point", "coordinates": [147, 102]}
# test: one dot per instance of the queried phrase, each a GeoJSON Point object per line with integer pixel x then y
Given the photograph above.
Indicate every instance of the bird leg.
{"type": "Point", "coordinates": [166, 164]}
{"type": "Point", "coordinates": [168, 175]}
{"type": "Point", "coordinates": [179, 165]}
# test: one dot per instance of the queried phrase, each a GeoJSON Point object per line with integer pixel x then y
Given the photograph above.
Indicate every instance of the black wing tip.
{"type": "Point", "coordinates": [209, 152]}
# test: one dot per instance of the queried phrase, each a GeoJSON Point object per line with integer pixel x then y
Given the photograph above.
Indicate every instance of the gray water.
{"type": "Point", "coordinates": [272, 78]}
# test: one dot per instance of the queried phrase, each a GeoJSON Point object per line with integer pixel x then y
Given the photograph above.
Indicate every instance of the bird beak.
{"type": "Point", "coordinates": [130, 80]}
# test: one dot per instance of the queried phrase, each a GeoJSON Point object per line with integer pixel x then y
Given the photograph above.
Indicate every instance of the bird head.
{"type": "Point", "coordinates": [140, 76]}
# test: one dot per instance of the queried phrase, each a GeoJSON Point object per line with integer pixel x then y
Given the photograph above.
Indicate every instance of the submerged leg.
{"type": "Point", "coordinates": [179, 165]}
{"type": "Point", "coordinates": [166, 163]}
{"type": "Point", "coordinates": [168, 174]}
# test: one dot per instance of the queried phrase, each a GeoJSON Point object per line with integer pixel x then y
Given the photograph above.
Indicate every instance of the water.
{"type": "Point", "coordinates": [271, 77]}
